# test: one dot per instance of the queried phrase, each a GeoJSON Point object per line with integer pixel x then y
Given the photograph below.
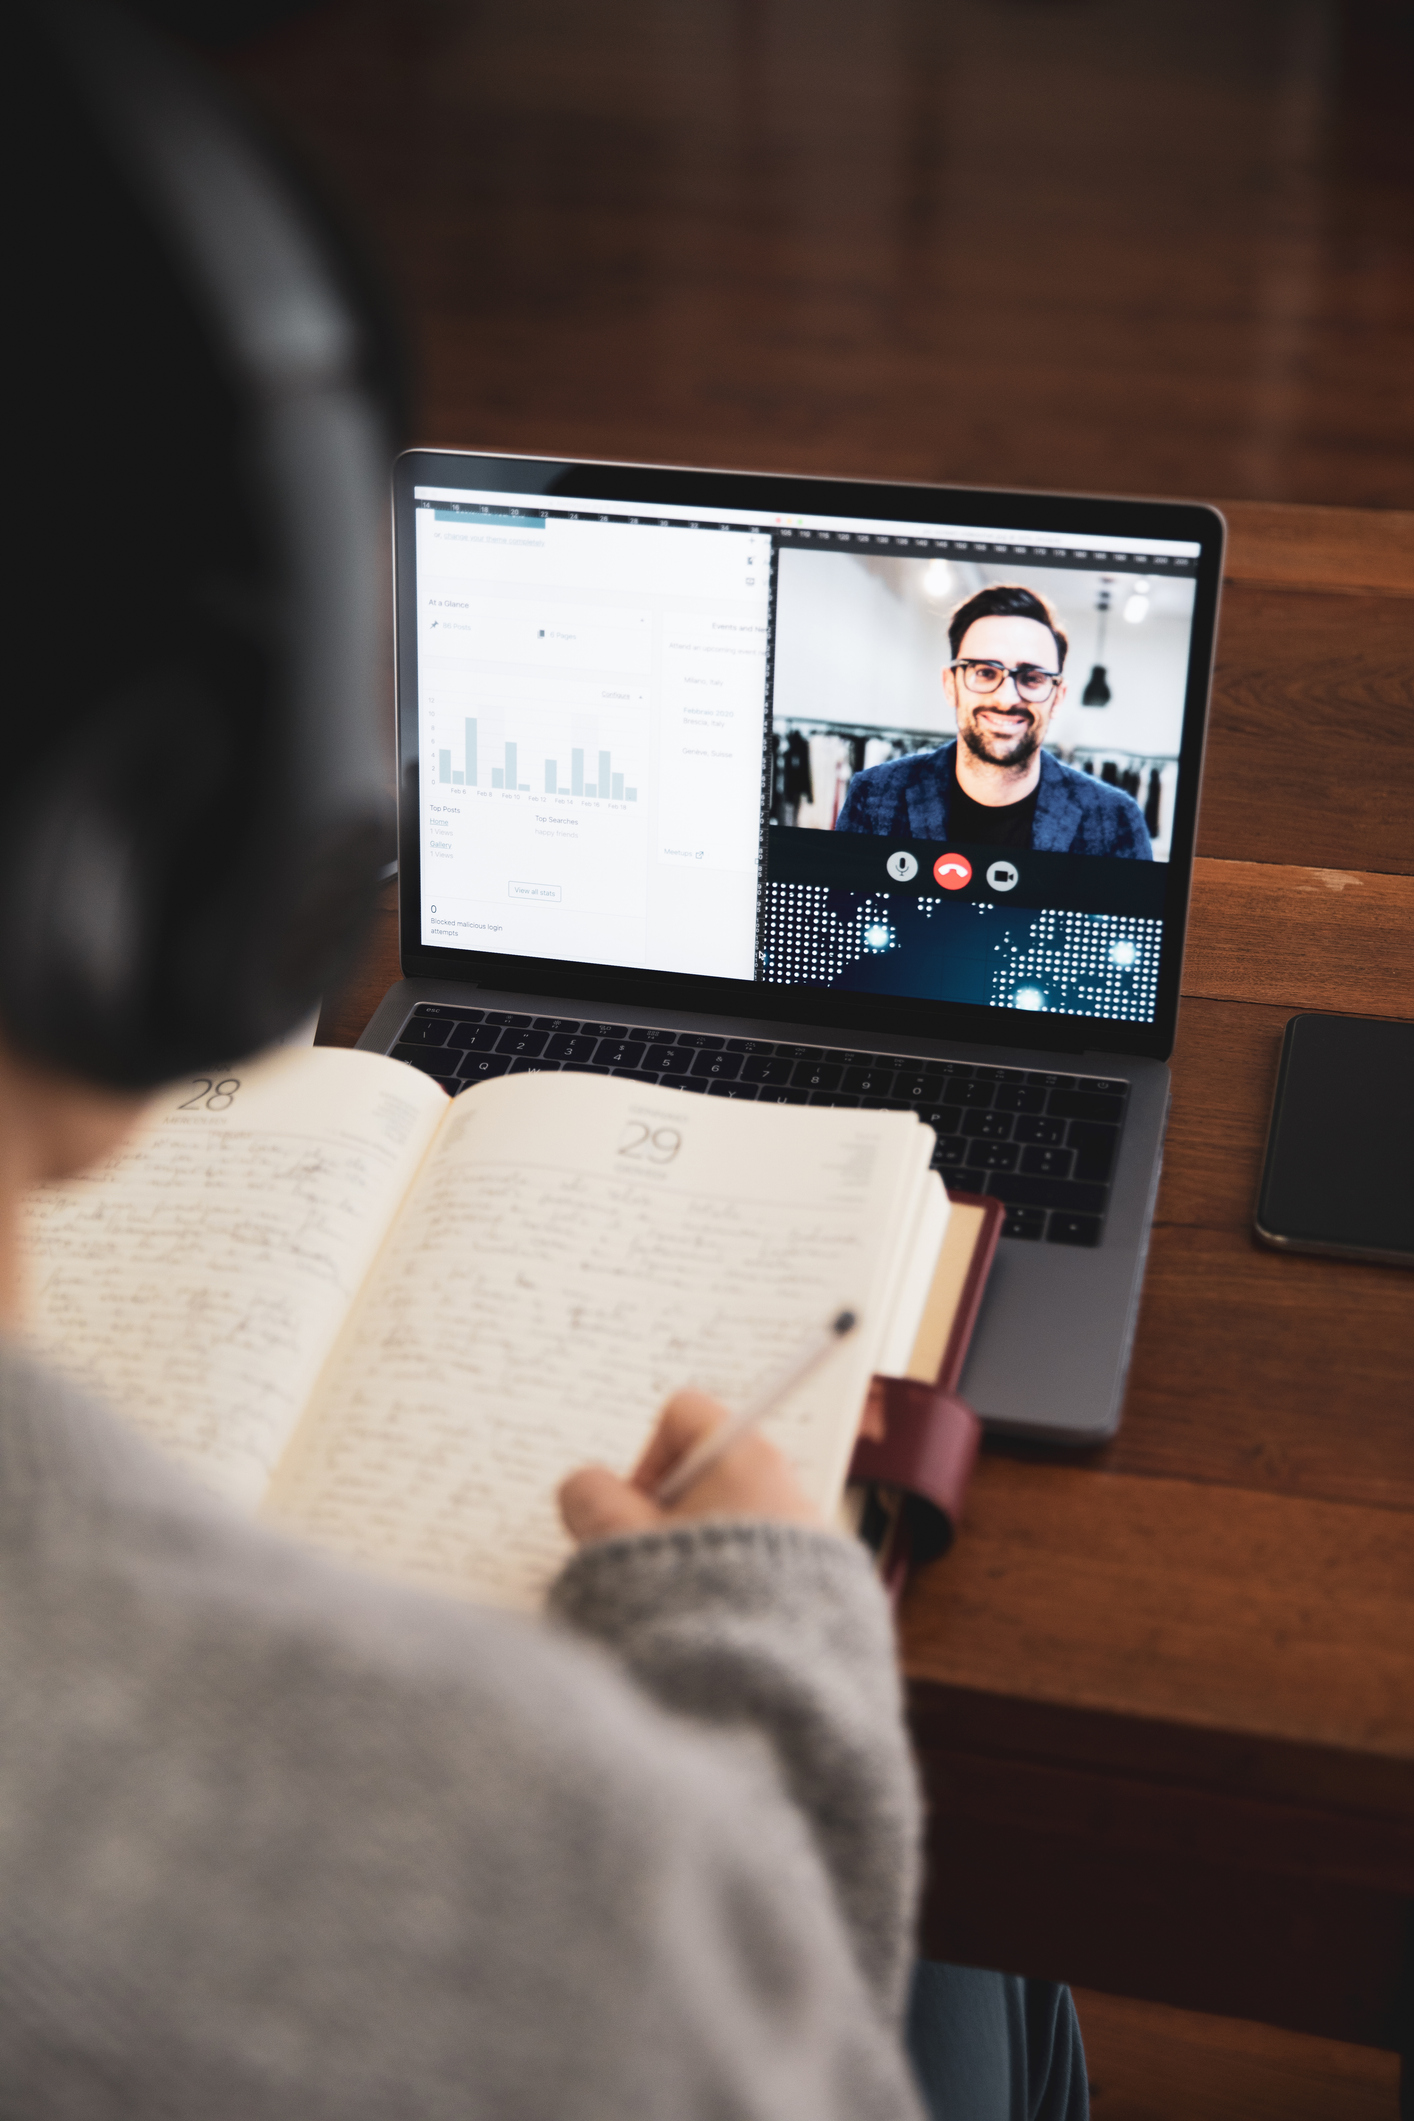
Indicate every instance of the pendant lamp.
{"type": "Point", "coordinates": [1097, 689]}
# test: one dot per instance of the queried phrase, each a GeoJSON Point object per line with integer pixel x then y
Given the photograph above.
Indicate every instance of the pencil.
{"type": "Point", "coordinates": [708, 1449]}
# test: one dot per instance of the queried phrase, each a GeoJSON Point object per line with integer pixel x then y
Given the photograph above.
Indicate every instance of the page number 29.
{"type": "Point", "coordinates": [652, 1145]}
{"type": "Point", "coordinates": [212, 1096]}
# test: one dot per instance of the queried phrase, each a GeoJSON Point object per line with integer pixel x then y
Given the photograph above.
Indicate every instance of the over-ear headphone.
{"type": "Point", "coordinates": [193, 793]}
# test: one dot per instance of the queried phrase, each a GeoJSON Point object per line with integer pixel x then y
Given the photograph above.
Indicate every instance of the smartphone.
{"type": "Point", "coordinates": [1339, 1175]}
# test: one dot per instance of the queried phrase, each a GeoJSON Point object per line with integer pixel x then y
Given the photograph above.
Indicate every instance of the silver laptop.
{"type": "Point", "coordinates": [811, 790]}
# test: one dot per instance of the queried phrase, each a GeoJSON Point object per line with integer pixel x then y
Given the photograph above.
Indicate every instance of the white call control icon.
{"type": "Point", "coordinates": [902, 867]}
{"type": "Point", "coordinates": [1002, 876]}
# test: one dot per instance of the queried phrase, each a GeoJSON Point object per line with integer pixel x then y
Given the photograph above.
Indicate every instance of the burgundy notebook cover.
{"type": "Point", "coordinates": [917, 1463]}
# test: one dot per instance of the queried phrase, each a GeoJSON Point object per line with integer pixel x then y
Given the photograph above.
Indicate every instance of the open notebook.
{"type": "Point", "coordinates": [394, 1322]}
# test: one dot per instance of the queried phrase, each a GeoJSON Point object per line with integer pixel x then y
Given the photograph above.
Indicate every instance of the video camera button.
{"type": "Point", "coordinates": [1003, 876]}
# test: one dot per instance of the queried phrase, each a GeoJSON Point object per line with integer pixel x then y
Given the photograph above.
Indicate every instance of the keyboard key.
{"type": "Point", "coordinates": [569, 1046]}
{"type": "Point", "coordinates": [801, 1053]}
{"type": "Point", "coordinates": [555, 1023]}
{"type": "Point", "coordinates": [949, 1154]}
{"type": "Point", "coordinates": [501, 1017]}
{"type": "Point", "coordinates": [781, 1094]}
{"type": "Point", "coordinates": [968, 1093]}
{"type": "Point", "coordinates": [691, 1082]}
{"type": "Point", "coordinates": [1023, 1097]}
{"type": "Point", "coordinates": [731, 1090]}
{"type": "Point", "coordinates": [1024, 1222]}
{"type": "Point", "coordinates": [423, 1031]}
{"type": "Point", "coordinates": [1100, 1082]}
{"type": "Point", "coordinates": [472, 1038]}
{"type": "Point", "coordinates": [942, 1120]}
{"type": "Point", "coordinates": [1049, 1193]}
{"type": "Point", "coordinates": [1053, 1082]}
{"type": "Point", "coordinates": [655, 1035]}
{"type": "Point", "coordinates": [987, 1126]}
{"type": "Point", "coordinates": [761, 1068]}
{"type": "Point", "coordinates": [917, 1089]}
{"type": "Point", "coordinates": [673, 1061]}
{"type": "Point", "coordinates": [430, 1059]}
{"type": "Point", "coordinates": [717, 1067]}
{"type": "Point", "coordinates": [992, 1156]}
{"type": "Point", "coordinates": [701, 1041]}
{"type": "Point", "coordinates": [1094, 1148]}
{"type": "Point", "coordinates": [524, 1043]}
{"type": "Point", "coordinates": [952, 1068]}
{"type": "Point", "coordinates": [448, 1012]}
{"type": "Point", "coordinates": [480, 1067]}
{"type": "Point", "coordinates": [582, 1068]}
{"type": "Point", "coordinates": [758, 1046]}
{"type": "Point", "coordinates": [1046, 1163]}
{"type": "Point", "coordinates": [1049, 1131]}
{"type": "Point", "coordinates": [833, 1097]}
{"type": "Point", "coordinates": [1082, 1104]}
{"type": "Point", "coordinates": [999, 1075]}
{"type": "Point", "coordinates": [869, 1082]}
{"type": "Point", "coordinates": [619, 1052]}
{"type": "Point", "coordinates": [1074, 1230]}
{"type": "Point", "coordinates": [533, 1067]}
{"type": "Point", "coordinates": [816, 1075]}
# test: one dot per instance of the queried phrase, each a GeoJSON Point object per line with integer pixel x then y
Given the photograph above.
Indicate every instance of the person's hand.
{"type": "Point", "coordinates": [750, 1479]}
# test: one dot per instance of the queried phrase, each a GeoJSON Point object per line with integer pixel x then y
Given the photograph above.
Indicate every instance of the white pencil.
{"type": "Point", "coordinates": [709, 1448]}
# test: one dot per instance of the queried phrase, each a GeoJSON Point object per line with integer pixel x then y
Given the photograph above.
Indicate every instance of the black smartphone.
{"type": "Point", "coordinates": [1339, 1175]}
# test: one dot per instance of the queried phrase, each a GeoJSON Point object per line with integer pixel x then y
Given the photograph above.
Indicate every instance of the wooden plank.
{"type": "Point", "coordinates": [1320, 548]}
{"type": "Point", "coordinates": [1331, 939]}
{"type": "Point", "coordinates": [1258, 1368]}
{"type": "Point", "coordinates": [1147, 2062]}
{"type": "Point", "coordinates": [1311, 736]}
{"type": "Point", "coordinates": [1272, 1616]}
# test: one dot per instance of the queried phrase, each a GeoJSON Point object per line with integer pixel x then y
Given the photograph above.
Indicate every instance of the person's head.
{"type": "Point", "coordinates": [1005, 682]}
{"type": "Point", "coordinates": [194, 792]}
{"type": "Point", "coordinates": [195, 795]}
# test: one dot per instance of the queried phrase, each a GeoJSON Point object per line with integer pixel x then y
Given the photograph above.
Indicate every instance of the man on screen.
{"type": "Point", "coordinates": [994, 786]}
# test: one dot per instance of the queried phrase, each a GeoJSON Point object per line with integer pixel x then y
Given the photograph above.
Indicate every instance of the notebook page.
{"type": "Point", "coordinates": [576, 1249]}
{"type": "Point", "coordinates": [197, 1280]}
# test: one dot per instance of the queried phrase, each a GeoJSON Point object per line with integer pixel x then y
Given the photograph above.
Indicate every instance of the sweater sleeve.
{"type": "Point", "coordinates": [784, 1633]}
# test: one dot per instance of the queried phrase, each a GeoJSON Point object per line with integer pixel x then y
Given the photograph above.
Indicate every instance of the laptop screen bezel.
{"type": "Point", "coordinates": [864, 1017]}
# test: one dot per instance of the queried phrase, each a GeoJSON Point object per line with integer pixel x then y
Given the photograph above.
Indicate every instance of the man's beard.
{"type": "Point", "coordinates": [1026, 745]}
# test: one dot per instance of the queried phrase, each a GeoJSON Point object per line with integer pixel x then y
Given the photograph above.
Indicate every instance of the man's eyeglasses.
{"type": "Point", "coordinates": [1031, 682]}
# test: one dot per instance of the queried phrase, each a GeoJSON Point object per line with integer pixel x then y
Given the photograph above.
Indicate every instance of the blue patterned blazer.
{"type": "Point", "coordinates": [1075, 813]}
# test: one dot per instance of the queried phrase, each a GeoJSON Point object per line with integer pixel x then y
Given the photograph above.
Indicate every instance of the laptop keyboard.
{"type": "Point", "coordinates": [1043, 1144]}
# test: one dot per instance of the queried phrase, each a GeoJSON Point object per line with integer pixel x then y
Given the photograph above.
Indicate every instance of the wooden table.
{"type": "Point", "coordinates": [1164, 1695]}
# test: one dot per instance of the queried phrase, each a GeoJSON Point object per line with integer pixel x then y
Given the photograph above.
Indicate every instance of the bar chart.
{"type": "Point", "coordinates": [592, 772]}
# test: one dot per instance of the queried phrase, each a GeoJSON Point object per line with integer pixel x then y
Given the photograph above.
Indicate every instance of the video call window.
{"type": "Point", "coordinates": [867, 698]}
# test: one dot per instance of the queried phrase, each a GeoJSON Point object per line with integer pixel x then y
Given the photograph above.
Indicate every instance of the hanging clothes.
{"type": "Point", "coordinates": [1152, 805]}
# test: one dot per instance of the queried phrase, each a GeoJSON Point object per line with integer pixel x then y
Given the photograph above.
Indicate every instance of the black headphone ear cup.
{"type": "Point", "coordinates": [91, 837]}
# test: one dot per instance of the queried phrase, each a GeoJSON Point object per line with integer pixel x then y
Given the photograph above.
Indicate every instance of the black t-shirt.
{"type": "Point", "coordinates": [988, 825]}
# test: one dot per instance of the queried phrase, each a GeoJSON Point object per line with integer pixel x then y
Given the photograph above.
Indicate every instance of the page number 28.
{"type": "Point", "coordinates": [212, 1096]}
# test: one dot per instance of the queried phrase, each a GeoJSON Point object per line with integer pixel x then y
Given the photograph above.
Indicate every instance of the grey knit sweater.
{"type": "Point", "coordinates": [279, 1840]}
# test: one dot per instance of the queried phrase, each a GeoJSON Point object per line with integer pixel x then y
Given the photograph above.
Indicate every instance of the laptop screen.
{"type": "Point", "coordinates": [938, 761]}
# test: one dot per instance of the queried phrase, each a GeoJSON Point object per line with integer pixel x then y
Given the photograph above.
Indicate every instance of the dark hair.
{"type": "Point", "coordinates": [1005, 600]}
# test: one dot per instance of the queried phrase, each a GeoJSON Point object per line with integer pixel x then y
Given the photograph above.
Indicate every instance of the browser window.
{"type": "Point", "coordinates": [937, 762]}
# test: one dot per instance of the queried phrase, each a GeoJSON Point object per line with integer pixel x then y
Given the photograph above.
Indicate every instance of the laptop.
{"type": "Point", "coordinates": [808, 790]}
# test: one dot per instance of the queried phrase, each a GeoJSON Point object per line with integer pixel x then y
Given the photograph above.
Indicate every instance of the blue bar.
{"type": "Point", "coordinates": [510, 765]}
{"type": "Point", "coordinates": [617, 785]}
{"type": "Point", "coordinates": [458, 780]}
{"type": "Point", "coordinates": [550, 767]}
{"type": "Point", "coordinates": [604, 775]}
{"type": "Point", "coordinates": [630, 795]}
{"type": "Point", "coordinates": [498, 779]}
{"type": "Point", "coordinates": [476, 518]}
{"type": "Point", "coordinates": [471, 754]}
{"type": "Point", "coordinates": [444, 765]}
{"type": "Point", "coordinates": [576, 773]}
